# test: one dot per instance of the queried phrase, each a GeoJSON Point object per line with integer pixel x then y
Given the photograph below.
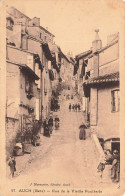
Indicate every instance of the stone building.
{"type": "Point", "coordinates": [103, 83]}
{"type": "Point", "coordinates": [66, 71]}
{"type": "Point", "coordinates": [80, 70]}
{"type": "Point", "coordinates": [22, 103]}
{"type": "Point", "coordinates": [101, 89]}
{"type": "Point", "coordinates": [32, 62]}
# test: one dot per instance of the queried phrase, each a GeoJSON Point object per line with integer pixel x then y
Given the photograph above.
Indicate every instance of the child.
{"type": "Point", "coordinates": [101, 166]}
{"type": "Point", "coordinates": [12, 164]}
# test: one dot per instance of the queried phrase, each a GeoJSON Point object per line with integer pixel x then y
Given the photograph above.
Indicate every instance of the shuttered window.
{"type": "Point", "coordinates": [115, 104]}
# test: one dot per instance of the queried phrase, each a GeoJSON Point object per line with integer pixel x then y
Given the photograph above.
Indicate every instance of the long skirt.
{"type": "Point", "coordinates": [82, 134]}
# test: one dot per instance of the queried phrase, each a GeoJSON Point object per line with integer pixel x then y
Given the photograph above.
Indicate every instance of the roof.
{"type": "Point", "coordinates": [25, 68]}
{"type": "Point", "coordinates": [89, 52]}
{"type": "Point", "coordinates": [83, 54]}
{"type": "Point", "coordinates": [46, 31]}
{"type": "Point", "coordinates": [110, 44]}
{"type": "Point", "coordinates": [107, 46]}
{"type": "Point", "coordinates": [72, 60]}
{"type": "Point", "coordinates": [63, 55]}
{"type": "Point", "coordinates": [28, 70]}
{"type": "Point", "coordinates": [113, 77]}
{"type": "Point", "coordinates": [112, 137]}
{"type": "Point", "coordinates": [47, 51]}
{"type": "Point", "coordinates": [13, 8]}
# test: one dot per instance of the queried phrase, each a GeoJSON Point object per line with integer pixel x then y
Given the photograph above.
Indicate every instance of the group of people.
{"type": "Point", "coordinates": [48, 125]}
{"type": "Point", "coordinates": [55, 105]}
{"type": "Point", "coordinates": [112, 159]}
{"type": "Point", "coordinates": [74, 107]}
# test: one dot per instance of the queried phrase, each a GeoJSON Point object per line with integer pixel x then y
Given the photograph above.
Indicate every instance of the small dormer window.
{"type": "Point", "coordinates": [9, 23]}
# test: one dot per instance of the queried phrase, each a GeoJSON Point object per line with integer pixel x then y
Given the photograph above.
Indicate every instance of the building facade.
{"type": "Point", "coordinates": [22, 103]}
{"type": "Point", "coordinates": [66, 72]}
{"type": "Point", "coordinates": [32, 73]}
{"type": "Point", "coordinates": [101, 89]}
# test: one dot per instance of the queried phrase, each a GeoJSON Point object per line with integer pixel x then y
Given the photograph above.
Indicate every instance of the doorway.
{"type": "Point", "coordinates": [115, 145]}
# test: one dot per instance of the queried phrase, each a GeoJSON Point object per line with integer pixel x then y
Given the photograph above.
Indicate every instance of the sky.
{"type": "Point", "coordinates": [73, 22]}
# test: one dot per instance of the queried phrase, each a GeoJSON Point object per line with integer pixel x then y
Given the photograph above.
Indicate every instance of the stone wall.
{"type": "Point", "coordinates": [12, 90]}
{"type": "Point", "coordinates": [18, 55]}
{"type": "Point", "coordinates": [12, 128]}
{"type": "Point", "coordinates": [108, 121]}
{"type": "Point", "coordinates": [109, 54]}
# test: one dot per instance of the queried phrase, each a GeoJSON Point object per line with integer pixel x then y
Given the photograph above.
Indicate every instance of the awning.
{"type": "Point", "coordinates": [108, 78]}
{"type": "Point", "coordinates": [113, 138]}
{"type": "Point", "coordinates": [29, 71]}
{"type": "Point", "coordinates": [50, 52]}
{"type": "Point", "coordinates": [47, 51]}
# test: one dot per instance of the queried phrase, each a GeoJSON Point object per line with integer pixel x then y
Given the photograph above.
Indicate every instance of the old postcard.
{"type": "Point", "coordinates": [62, 97]}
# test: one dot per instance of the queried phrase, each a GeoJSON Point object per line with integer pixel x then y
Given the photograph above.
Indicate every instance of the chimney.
{"type": "Point", "coordinates": [97, 43]}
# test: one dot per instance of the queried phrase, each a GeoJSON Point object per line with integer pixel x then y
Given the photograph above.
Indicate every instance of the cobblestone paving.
{"type": "Point", "coordinates": [62, 158]}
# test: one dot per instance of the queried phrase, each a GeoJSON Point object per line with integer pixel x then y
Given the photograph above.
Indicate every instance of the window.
{"type": "Point", "coordinates": [115, 100]}
{"type": "Point", "coordinates": [87, 75]}
{"type": "Point", "coordinates": [9, 23]}
{"type": "Point", "coordinates": [28, 87]}
{"type": "Point", "coordinates": [40, 35]}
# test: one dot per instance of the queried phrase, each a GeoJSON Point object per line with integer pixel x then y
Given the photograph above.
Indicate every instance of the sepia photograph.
{"type": "Point", "coordinates": [61, 92]}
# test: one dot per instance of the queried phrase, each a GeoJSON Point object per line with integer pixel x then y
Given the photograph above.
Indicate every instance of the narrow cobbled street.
{"type": "Point", "coordinates": [62, 158]}
{"type": "Point", "coordinates": [61, 103]}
